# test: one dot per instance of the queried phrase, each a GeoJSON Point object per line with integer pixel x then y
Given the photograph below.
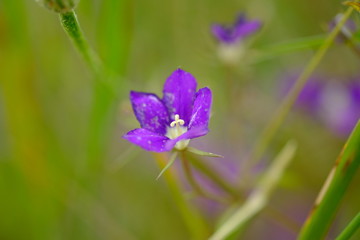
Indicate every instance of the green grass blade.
{"type": "Point", "coordinates": [350, 229]}
{"type": "Point", "coordinates": [333, 190]}
{"type": "Point", "coordinates": [279, 116]}
{"type": "Point", "coordinates": [300, 44]}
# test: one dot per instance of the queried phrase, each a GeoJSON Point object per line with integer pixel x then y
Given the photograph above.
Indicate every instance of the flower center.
{"type": "Point", "coordinates": [175, 130]}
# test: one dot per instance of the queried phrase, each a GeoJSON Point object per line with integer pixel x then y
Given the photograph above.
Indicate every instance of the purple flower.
{"type": "Point", "coordinates": [310, 96]}
{"type": "Point", "coordinates": [341, 109]}
{"type": "Point", "coordinates": [170, 122]}
{"type": "Point", "coordinates": [336, 104]}
{"type": "Point", "coordinates": [235, 33]}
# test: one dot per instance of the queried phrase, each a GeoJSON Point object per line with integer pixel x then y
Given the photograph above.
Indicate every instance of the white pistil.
{"type": "Point", "coordinates": [175, 130]}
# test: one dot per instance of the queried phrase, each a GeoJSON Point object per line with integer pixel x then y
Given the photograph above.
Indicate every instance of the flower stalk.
{"type": "Point", "coordinates": [194, 222]}
{"type": "Point", "coordinates": [285, 107]}
{"type": "Point", "coordinates": [192, 181]}
{"type": "Point", "coordinates": [214, 176]}
{"type": "Point", "coordinates": [72, 27]}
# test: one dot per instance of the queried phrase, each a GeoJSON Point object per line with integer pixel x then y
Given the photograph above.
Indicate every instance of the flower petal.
{"type": "Point", "coordinates": [179, 93]}
{"type": "Point", "coordinates": [147, 140]}
{"type": "Point", "coordinates": [247, 28]}
{"type": "Point", "coordinates": [201, 111]}
{"type": "Point", "coordinates": [195, 132]}
{"type": "Point", "coordinates": [150, 111]}
{"type": "Point", "coordinates": [239, 30]}
{"type": "Point", "coordinates": [221, 33]}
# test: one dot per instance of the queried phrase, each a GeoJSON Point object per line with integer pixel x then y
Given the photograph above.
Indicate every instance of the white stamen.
{"type": "Point", "coordinates": [175, 130]}
{"type": "Point", "coordinates": [177, 121]}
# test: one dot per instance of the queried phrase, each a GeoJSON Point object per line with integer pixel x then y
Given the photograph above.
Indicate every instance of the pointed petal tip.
{"type": "Point", "coordinates": [179, 71]}
{"type": "Point", "coordinates": [136, 93]}
{"type": "Point", "coordinates": [179, 93]}
{"type": "Point", "coordinates": [205, 90]}
{"type": "Point", "coordinates": [133, 94]}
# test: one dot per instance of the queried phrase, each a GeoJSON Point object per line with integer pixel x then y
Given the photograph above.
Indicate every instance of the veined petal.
{"type": "Point", "coordinates": [201, 112]}
{"type": "Point", "coordinates": [150, 111]}
{"type": "Point", "coordinates": [147, 140]}
{"type": "Point", "coordinates": [179, 93]}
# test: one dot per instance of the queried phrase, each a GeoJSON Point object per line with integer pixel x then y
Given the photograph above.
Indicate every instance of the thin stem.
{"type": "Point", "coordinates": [272, 213]}
{"type": "Point", "coordinates": [350, 229]}
{"type": "Point", "coordinates": [105, 92]}
{"type": "Point", "coordinates": [214, 177]}
{"type": "Point", "coordinates": [72, 27]}
{"type": "Point", "coordinates": [191, 179]}
{"type": "Point", "coordinates": [191, 216]}
{"type": "Point", "coordinates": [279, 116]}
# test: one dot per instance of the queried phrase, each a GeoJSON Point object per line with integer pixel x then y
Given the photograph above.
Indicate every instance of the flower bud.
{"type": "Point", "coordinates": [59, 6]}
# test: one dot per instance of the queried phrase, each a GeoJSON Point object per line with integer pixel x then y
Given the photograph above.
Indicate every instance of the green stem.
{"type": "Point", "coordinates": [71, 26]}
{"type": "Point", "coordinates": [214, 177]}
{"type": "Point", "coordinates": [104, 93]}
{"type": "Point", "coordinates": [237, 195]}
{"type": "Point", "coordinates": [350, 229]}
{"type": "Point", "coordinates": [290, 99]}
{"type": "Point", "coordinates": [191, 179]}
{"type": "Point", "coordinates": [195, 223]}
{"type": "Point", "coordinates": [333, 190]}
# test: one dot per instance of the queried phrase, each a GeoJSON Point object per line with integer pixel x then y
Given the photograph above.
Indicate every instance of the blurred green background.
{"type": "Point", "coordinates": [65, 171]}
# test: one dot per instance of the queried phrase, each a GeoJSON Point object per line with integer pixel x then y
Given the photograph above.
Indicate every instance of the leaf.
{"type": "Point", "coordinates": [202, 153]}
{"type": "Point", "coordinates": [350, 229]}
{"type": "Point", "coordinates": [171, 161]}
{"type": "Point", "coordinates": [334, 189]}
{"type": "Point", "coordinates": [291, 46]}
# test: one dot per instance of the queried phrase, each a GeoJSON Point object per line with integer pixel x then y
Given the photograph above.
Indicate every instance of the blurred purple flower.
{"type": "Point", "coordinates": [346, 32]}
{"type": "Point", "coordinates": [336, 104]}
{"type": "Point", "coordinates": [238, 31]}
{"type": "Point", "coordinates": [182, 114]}
{"type": "Point", "coordinates": [309, 98]}
{"type": "Point", "coordinates": [341, 106]}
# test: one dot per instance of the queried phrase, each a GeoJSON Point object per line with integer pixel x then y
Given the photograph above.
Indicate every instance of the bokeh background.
{"type": "Point", "coordinates": [65, 171]}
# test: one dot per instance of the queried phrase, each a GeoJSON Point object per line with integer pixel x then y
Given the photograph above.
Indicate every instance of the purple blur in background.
{"type": "Point", "coordinates": [335, 104]}
{"type": "Point", "coordinates": [346, 32]}
{"type": "Point", "coordinates": [236, 32]}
